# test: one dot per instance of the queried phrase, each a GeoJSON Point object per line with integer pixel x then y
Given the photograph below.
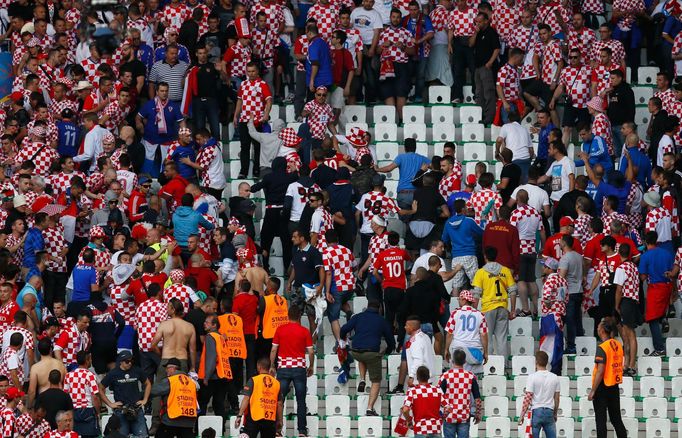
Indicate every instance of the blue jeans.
{"type": "Point", "coordinates": [524, 165]}
{"type": "Point", "coordinates": [429, 435]}
{"type": "Point", "coordinates": [207, 108]}
{"type": "Point", "coordinates": [574, 319]}
{"type": "Point", "coordinates": [340, 298]}
{"type": "Point", "coordinates": [657, 335]}
{"type": "Point", "coordinates": [504, 114]}
{"type": "Point", "coordinates": [543, 419]}
{"type": "Point", "coordinates": [298, 376]}
{"type": "Point", "coordinates": [618, 140]}
{"type": "Point", "coordinates": [456, 430]}
{"type": "Point", "coordinates": [137, 428]}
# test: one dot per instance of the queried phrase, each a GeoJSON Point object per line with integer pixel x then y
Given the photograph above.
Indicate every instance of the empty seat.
{"type": "Point", "coordinates": [439, 94]}
{"type": "Point", "coordinates": [333, 387]}
{"type": "Point", "coordinates": [387, 151]}
{"type": "Point", "coordinates": [414, 130]}
{"type": "Point", "coordinates": [370, 426]}
{"type": "Point", "coordinates": [396, 402]}
{"type": "Point", "coordinates": [383, 114]}
{"type": "Point", "coordinates": [649, 366]}
{"type": "Point", "coordinates": [585, 407]}
{"type": "Point", "coordinates": [658, 427]}
{"type": "Point", "coordinates": [475, 151]}
{"type": "Point", "coordinates": [496, 406]}
{"type": "Point", "coordinates": [643, 330]}
{"type": "Point", "coordinates": [355, 113]}
{"type": "Point", "coordinates": [627, 407]}
{"type": "Point", "coordinates": [473, 132]}
{"type": "Point", "coordinates": [498, 427]}
{"type": "Point", "coordinates": [393, 363]}
{"type": "Point", "coordinates": [520, 385]}
{"type": "Point", "coordinates": [651, 386]}
{"type": "Point", "coordinates": [588, 427]}
{"type": "Point", "coordinates": [626, 388]}
{"type": "Point", "coordinates": [331, 362]}
{"type": "Point", "coordinates": [584, 386]}
{"type": "Point", "coordinates": [391, 189]}
{"type": "Point", "coordinates": [213, 421]}
{"type": "Point", "coordinates": [675, 366]}
{"type": "Point", "coordinates": [312, 404]}
{"type": "Point", "coordinates": [642, 116]}
{"type": "Point", "coordinates": [494, 366]}
{"type": "Point", "coordinates": [565, 385]}
{"type": "Point", "coordinates": [523, 365]}
{"type": "Point", "coordinates": [494, 385]}
{"type": "Point", "coordinates": [678, 407]}
{"type": "Point", "coordinates": [522, 346]}
{"type": "Point", "coordinates": [468, 94]}
{"type": "Point", "coordinates": [584, 365]}
{"type": "Point", "coordinates": [443, 132]}
{"type": "Point", "coordinates": [359, 304]}
{"type": "Point", "coordinates": [565, 427]}
{"type": "Point", "coordinates": [311, 385]}
{"type": "Point", "coordinates": [338, 426]}
{"type": "Point", "coordinates": [673, 347]}
{"type": "Point", "coordinates": [413, 114]}
{"type": "Point", "coordinates": [585, 345]}
{"type": "Point", "coordinates": [655, 407]}
{"type": "Point", "coordinates": [337, 404]}
{"type": "Point", "coordinates": [521, 327]}
{"type": "Point", "coordinates": [442, 114]}
{"type": "Point", "coordinates": [647, 75]}
{"type": "Point", "coordinates": [470, 114]}
{"type": "Point", "coordinates": [386, 132]}
{"type": "Point", "coordinates": [675, 327]}
{"type": "Point", "coordinates": [645, 346]}
{"type": "Point", "coordinates": [313, 424]}
{"type": "Point", "coordinates": [290, 113]}
{"type": "Point", "coordinates": [363, 399]}
{"type": "Point", "coordinates": [565, 407]}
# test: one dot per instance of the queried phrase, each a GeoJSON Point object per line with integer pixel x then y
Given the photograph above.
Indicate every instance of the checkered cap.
{"type": "Point", "coordinates": [467, 295]}
{"type": "Point", "coordinates": [289, 137]}
{"type": "Point", "coordinates": [245, 253]}
{"type": "Point", "coordinates": [108, 138]}
{"type": "Point", "coordinates": [33, 42]}
{"type": "Point", "coordinates": [97, 232]}
{"type": "Point", "coordinates": [168, 31]}
{"type": "Point", "coordinates": [357, 137]}
{"type": "Point", "coordinates": [177, 275]}
{"type": "Point", "coordinates": [39, 131]}
{"type": "Point", "coordinates": [596, 103]}
{"type": "Point", "coordinates": [184, 131]}
{"type": "Point", "coordinates": [234, 222]}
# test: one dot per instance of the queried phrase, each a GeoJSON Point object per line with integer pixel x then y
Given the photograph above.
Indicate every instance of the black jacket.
{"type": "Point", "coordinates": [566, 206]}
{"type": "Point", "coordinates": [275, 183]}
{"type": "Point", "coordinates": [656, 130]}
{"type": "Point", "coordinates": [621, 105]}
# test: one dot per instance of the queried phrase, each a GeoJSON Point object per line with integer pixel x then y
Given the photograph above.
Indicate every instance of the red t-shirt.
{"type": "Point", "coordinates": [553, 247]}
{"type": "Point", "coordinates": [620, 239]}
{"type": "Point", "coordinates": [204, 277]}
{"type": "Point", "coordinates": [391, 264]}
{"type": "Point", "coordinates": [246, 306]}
{"type": "Point", "coordinates": [292, 339]}
{"type": "Point", "coordinates": [593, 250]}
{"type": "Point", "coordinates": [175, 188]}
{"type": "Point", "coordinates": [342, 64]}
{"type": "Point", "coordinates": [138, 292]}
{"type": "Point", "coordinates": [7, 314]}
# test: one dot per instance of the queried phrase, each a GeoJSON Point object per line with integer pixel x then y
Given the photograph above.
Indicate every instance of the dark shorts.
{"type": "Point", "coordinates": [537, 88]}
{"type": "Point", "coordinates": [574, 116]}
{"type": "Point", "coordinates": [630, 313]}
{"type": "Point", "coordinates": [340, 298]}
{"type": "Point", "coordinates": [527, 267]}
{"type": "Point", "coordinates": [398, 86]}
{"type": "Point", "coordinates": [372, 361]}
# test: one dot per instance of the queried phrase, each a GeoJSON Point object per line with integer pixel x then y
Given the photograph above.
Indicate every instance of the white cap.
{"type": "Point", "coordinates": [379, 220]}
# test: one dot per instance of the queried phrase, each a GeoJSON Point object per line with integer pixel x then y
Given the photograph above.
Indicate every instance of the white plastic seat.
{"type": "Point", "coordinates": [673, 347]}
{"type": "Point", "coordinates": [396, 402]}
{"type": "Point", "coordinates": [521, 327]}
{"type": "Point", "coordinates": [386, 132]}
{"type": "Point", "coordinates": [475, 151]}
{"type": "Point", "coordinates": [565, 386]}
{"type": "Point", "coordinates": [647, 75]}
{"type": "Point", "coordinates": [290, 113]}
{"type": "Point", "coordinates": [439, 94]}
{"type": "Point", "coordinates": [276, 266]}
{"type": "Point", "coordinates": [370, 426]}
{"type": "Point", "coordinates": [391, 189]}
{"type": "Point", "coordinates": [355, 113]}
{"type": "Point", "coordinates": [649, 366]}
{"type": "Point", "coordinates": [338, 426]}
{"type": "Point", "coordinates": [311, 384]}
{"type": "Point", "coordinates": [473, 132]}
{"type": "Point", "coordinates": [675, 366]}
{"type": "Point", "coordinates": [643, 330]}
{"type": "Point", "coordinates": [470, 114]}
{"type": "Point", "coordinates": [530, 119]}
{"type": "Point", "coordinates": [494, 385]}
{"type": "Point", "coordinates": [468, 94]}
{"type": "Point", "coordinates": [565, 407]}
{"type": "Point", "coordinates": [585, 345]}
{"type": "Point", "coordinates": [275, 112]}
{"type": "Point", "coordinates": [523, 365]}
{"type": "Point", "coordinates": [584, 365]}
{"type": "Point", "coordinates": [651, 386]}
{"type": "Point", "coordinates": [332, 387]}
{"type": "Point", "coordinates": [678, 407]}
{"type": "Point", "coordinates": [520, 386]}
{"type": "Point", "coordinates": [212, 421]}
{"type": "Point", "coordinates": [585, 408]}
{"type": "Point", "coordinates": [498, 427]}
{"type": "Point", "coordinates": [645, 346]}
{"type": "Point", "coordinates": [103, 422]}
{"type": "Point", "coordinates": [413, 114]}
{"type": "Point", "coordinates": [522, 345]}
{"type": "Point", "coordinates": [414, 130]}
{"type": "Point", "coordinates": [359, 304]}
{"type": "Point", "coordinates": [337, 405]}
{"type": "Point", "coordinates": [588, 326]}
{"type": "Point", "coordinates": [331, 362]}
{"type": "Point", "coordinates": [423, 149]}
{"type": "Point", "coordinates": [383, 114]}
{"type": "Point", "coordinates": [676, 387]}
{"type": "Point", "coordinates": [565, 427]}
{"type": "Point", "coordinates": [675, 327]}
{"type": "Point", "coordinates": [442, 114]}
{"type": "Point", "coordinates": [583, 386]}
{"type": "Point", "coordinates": [494, 366]}
{"type": "Point", "coordinates": [658, 427]}
{"type": "Point", "coordinates": [313, 424]}
{"type": "Point", "coordinates": [642, 116]}
{"type": "Point", "coordinates": [312, 404]}
{"type": "Point", "coordinates": [631, 423]}
{"type": "Point", "coordinates": [627, 407]}
{"type": "Point", "coordinates": [443, 132]}
{"type": "Point", "coordinates": [627, 387]}
{"type": "Point", "coordinates": [655, 407]}
{"type": "Point", "coordinates": [387, 151]}
{"type": "Point", "coordinates": [363, 399]}
{"type": "Point", "coordinates": [588, 427]}
{"type": "Point", "coordinates": [393, 364]}
{"type": "Point", "coordinates": [470, 169]}
{"type": "Point", "coordinates": [496, 406]}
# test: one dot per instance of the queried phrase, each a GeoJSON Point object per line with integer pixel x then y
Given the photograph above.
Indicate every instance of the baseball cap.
{"type": "Point", "coordinates": [202, 296]}
{"type": "Point", "coordinates": [566, 221]}
{"type": "Point", "coordinates": [551, 263]}
{"type": "Point", "coordinates": [143, 179]}
{"type": "Point", "coordinates": [471, 180]}
{"type": "Point", "coordinates": [51, 321]}
{"type": "Point", "coordinates": [19, 201]}
{"type": "Point", "coordinates": [124, 355]}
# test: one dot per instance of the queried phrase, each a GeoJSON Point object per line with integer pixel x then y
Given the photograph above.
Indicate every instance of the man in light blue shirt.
{"type": "Point", "coordinates": [408, 164]}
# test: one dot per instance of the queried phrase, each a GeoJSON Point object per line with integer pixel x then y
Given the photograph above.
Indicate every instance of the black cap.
{"type": "Point", "coordinates": [67, 113]}
{"type": "Point", "coordinates": [173, 362]}
{"type": "Point", "coordinates": [52, 322]}
{"type": "Point", "coordinates": [124, 355]}
{"type": "Point", "coordinates": [378, 180]}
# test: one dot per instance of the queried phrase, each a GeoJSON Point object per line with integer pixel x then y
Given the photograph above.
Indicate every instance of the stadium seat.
{"type": "Point", "coordinates": [655, 407]}
{"type": "Point", "coordinates": [675, 366]}
{"type": "Point", "coordinates": [565, 427]}
{"type": "Point", "coordinates": [290, 113]}
{"type": "Point", "coordinates": [386, 132]}
{"type": "Point", "coordinates": [631, 423]}
{"type": "Point", "coordinates": [565, 384]}
{"type": "Point", "coordinates": [276, 266]}
{"type": "Point", "coordinates": [530, 119]}
{"type": "Point", "coordinates": [212, 421]}
{"type": "Point", "coordinates": [675, 327]}
{"type": "Point", "coordinates": [312, 404]}
{"type": "Point", "coordinates": [234, 431]}
{"type": "Point", "coordinates": [470, 168]}
{"type": "Point", "coordinates": [584, 365]}
{"type": "Point", "coordinates": [233, 168]}
{"type": "Point", "coordinates": [468, 94]}
{"type": "Point", "coordinates": [673, 347]}
{"type": "Point", "coordinates": [383, 114]}
{"type": "Point", "coordinates": [359, 304]}
{"type": "Point", "coordinates": [470, 114]}
{"type": "Point", "coordinates": [387, 151]}
{"type": "Point", "coordinates": [498, 170]}
{"type": "Point", "coordinates": [494, 385]}
{"type": "Point", "coordinates": [439, 94]}
{"type": "Point", "coordinates": [642, 95]}
{"type": "Point", "coordinates": [391, 189]}
{"type": "Point", "coordinates": [313, 424]}
{"type": "Point", "coordinates": [355, 113]}
{"type": "Point", "coordinates": [565, 407]}
{"type": "Point", "coordinates": [585, 408]}
{"type": "Point", "coordinates": [588, 326]}
{"type": "Point", "coordinates": [585, 345]}
{"type": "Point", "coordinates": [361, 402]}
{"type": "Point", "coordinates": [275, 112]}
{"type": "Point", "coordinates": [520, 385]}
{"type": "Point", "coordinates": [645, 346]}
{"type": "Point", "coordinates": [651, 386]}
{"type": "Point", "coordinates": [473, 132]}
{"type": "Point", "coordinates": [443, 132]}
{"type": "Point", "coordinates": [393, 364]}
{"type": "Point", "coordinates": [522, 346]}
{"type": "Point", "coordinates": [294, 125]}
{"type": "Point", "coordinates": [642, 116]}
{"type": "Point", "coordinates": [394, 421]}
{"type": "Point", "coordinates": [331, 361]}
{"type": "Point", "coordinates": [649, 366]}
{"type": "Point", "coordinates": [498, 427]}
{"type": "Point", "coordinates": [442, 114]}
{"type": "Point", "coordinates": [494, 366]}
{"type": "Point", "coordinates": [523, 365]}
{"type": "Point", "coordinates": [658, 427]}
{"type": "Point", "coordinates": [496, 406]}
{"type": "Point", "coordinates": [370, 426]}
{"type": "Point", "coordinates": [627, 387]}
{"type": "Point", "coordinates": [104, 421]}
{"type": "Point", "coordinates": [521, 327]}
{"type": "Point", "coordinates": [583, 386]}
{"type": "Point", "coordinates": [337, 405]}
{"type": "Point", "coordinates": [338, 426]}
{"type": "Point", "coordinates": [475, 151]}
{"type": "Point", "coordinates": [423, 148]}
{"type": "Point", "coordinates": [678, 407]}
{"type": "Point", "coordinates": [395, 403]}
{"type": "Point", "coordinates": [627, 407]}
{"type": "Point", "coordinates": [628, 74]}
{"type": "Point", "coordinates": [332, 387]}
{"type": "Point", "coordinates": [647, 75]}
{"type": "Point", "coordinates": [414, 130]}
{"type": "Point", "coordinates": [414, 114]}
{"type": "Point", "coordinates": [588, 427]}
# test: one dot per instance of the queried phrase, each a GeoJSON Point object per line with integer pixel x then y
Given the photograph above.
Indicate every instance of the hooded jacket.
{"type": "Point", "coordinates": [275, 184]}
{"type": "Point", "coordinates": [186, 221]}
{"type": "Point", "coordinates": [461, 232]}
{"type": "Point", "coordinates": [269, 141]}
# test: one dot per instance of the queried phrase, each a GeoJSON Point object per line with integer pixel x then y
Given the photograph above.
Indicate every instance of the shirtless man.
{"type": "Point", "coordinates": [40, 372]}
{"type": "Point", "coordinates": [256, 275]}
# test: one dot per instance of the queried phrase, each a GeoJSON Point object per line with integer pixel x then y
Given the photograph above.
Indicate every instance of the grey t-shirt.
{"type": "Point", "coordinates": [572, 262]}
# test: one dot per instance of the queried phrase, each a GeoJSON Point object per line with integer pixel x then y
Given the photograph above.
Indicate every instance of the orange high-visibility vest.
{"type": "Point", "coordinates": [182, 399]}
{"type": "Point", "coordinates": [275, 314]}
{"type": "Point", "coordinates": [613, 368]}
{"type": "Point", "coordinates": [222, 367]}
{"type": "Point", "coordinates": [232, 328]}
{"type": "Point", "coordinates": [263, 400]}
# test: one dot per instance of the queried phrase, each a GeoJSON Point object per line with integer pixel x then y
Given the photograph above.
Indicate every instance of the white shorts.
{"type": "Point", "coordinates": [336, 99]}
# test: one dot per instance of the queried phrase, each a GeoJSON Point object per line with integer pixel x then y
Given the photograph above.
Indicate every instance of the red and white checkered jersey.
{"type": "Point", "coordinates": [95, 182]}
{"type": "Point", "coordinates": [81, 385]}
{"type": "Point", "coordinates": [678, 262]}
{"type": "Point", "coordinates": [676, 50]}
{"type": "Point", "coordinates": [42, 156]}
{"type": "Point", "coordinates": [526, 39]}
{"type": "Point", "coordinates": [326, 17]}
{"type": "Point", "coordinates": [509, 79]}
{"type": "Point", "coordinates": [338, 260]}
{"type": "Point", "coordinates": [601, 126]}
{"type": "Point", "coordinates": [26, 427]}
{"type": "Point", "coordinates": [321, 221]}
{"type": "Point", "coordinates": [253, 95]}
{"type": "Point", "coordinates": [10, 361]}
{"type": "Point", "coordinates": [375, 203]}
{"type": "Point", "coordinates": [263, 44]}
{"type": "Point", "coordinates": [16, 60]}
{"type": "Point", "coordinates": [8, 422]}
{"type": "Point", "coordinates": [18, 256]}
{"type": "Point", "coordinates": [480, 200]}
{"type": "Point", "coordinates": [440, 18]}
{"type": "Point", "coordinates": [377, 243]}
{"type": "Point", "coordinates": [148, 316]}
{"type": "Point", "coordinates": [48, 75]}
{"type": "Point", "coordinates": [550, 55]}
{"type": "Point", "coordinates": [174, 16]}
{"type": "Point", "coordinates": [547, 14]}
{"type": "Point", "coordinates": [301, 48]}
{"type": "Point", "coordinates": [102, 256]}
{"type": "Point", "coordinates": [462, 23]}
{"type": "Point", "coordinates": [70, 342]}
{"type": "Point", "coordinates": [425, 401]}
{"type": "Point", "coordinates": [528, 221]}
{"type": "Point", "coordinates": [582, 40]}
{"type": "Point", "coordinates": [139, 24]}
{"type": "Point", "coordinates": [203, 24]}
{"type": "Point", "coordinates": [205, 235]}
{"type": "Point", "coordinates": [117, 115]}
{"type": "Point", "coordinates": [659, 220]}
{"type": "Point", "coordinates": [627, 276]}
{"type": "Point", "coordinates": [123, 303]}
{"type": "Point", "coordinates": [395, 35]}
{"type": "Point", "coordinates": [506, 19]}
{"type": "Point", "coordinates": [238, 57]}
{"type": "Point", "coordinates": [580, 228]}
{"type": "Point", "coordinates": [62, 181]}
{"type": "Point", "coordinates": [466, 325]}
{"type": "Point", "coordinates": [617, 51]}
{"type": "Point", "coordinates": [576, 82]}
{"type": "Point", "coordinates": [181, 292]}
{"type": "Point", "coordinates": [299, 195]}
{"type": "Point", "coordinates": [457, 395]}
{"type": "Point", "coordinates": [55, 243]}
{"type": "Point", "coordinates": [274, 16]}
{"type": "Point", "coordinates": [52, 131]}
{"type": "Point", "coordinates": [592, 7]}
{"type": "Point", "coordinates": [451, 183]}
{"type": "Point", "coordinates": [7, 314]}
{"type": "Point", "coordinates": [90, 67]}
{"type": "Point", "coordinates": [629, 10]}
{"type": "Point", "coordinates": [554, 297]}
{"type": "Point", "coordinates": [601, 75]}
{"type": "Point", "coordinates": [56, 434]}
{"type": "Point", "coordinates": [318, 118]}
{"type": "Point", "coordinates": [667, 98]}
{"type": "Point", "coordinates": [669, 203]}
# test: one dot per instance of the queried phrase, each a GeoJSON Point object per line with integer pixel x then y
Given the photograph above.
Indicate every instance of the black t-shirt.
{"type": "Point", "coordinates": [487, 41]}
{"type": "Point", "coordinates": [428, 204]}
{"type": "Point", "coordinates": [207, 80]}
{"type": "Point", "coordinates": [54, 400]}
{"type": "Point", "coordinates": [215, 44]}
{"type": "Point", "coordinates": [127, 386]}
{"type": "Point", "coordinates": [513, 172]}
{"type": "Point", "coordinates": [305, 263]}
{"type": "Point", "coordinates": [136, 66]}
{"type": "Point", "coordinates": [196, 317]}
{"type": "Point", "coordinates": [17, 10]}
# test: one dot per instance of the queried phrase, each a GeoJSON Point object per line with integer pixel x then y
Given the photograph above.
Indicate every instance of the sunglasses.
{"type": "Point", "coordinates": [574, 57]}
{"type": "Point", "coordinates": [320, 94]}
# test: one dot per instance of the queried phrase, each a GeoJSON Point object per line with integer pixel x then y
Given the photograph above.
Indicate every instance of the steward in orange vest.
{"type": "Point", "coordinates": [180, 408]}
{"type": "Point", "coordinates": [262, 404]}
{"type": "Point", "coordinates": [272, 313]}
{"type": "Point", "coordinates": [214, 368]}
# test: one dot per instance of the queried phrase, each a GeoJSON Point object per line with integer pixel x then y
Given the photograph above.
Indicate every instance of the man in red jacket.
{"type": "Point", "coordinates": [505, 238]}
{"type": "Point", "coordinates": [137, 203]}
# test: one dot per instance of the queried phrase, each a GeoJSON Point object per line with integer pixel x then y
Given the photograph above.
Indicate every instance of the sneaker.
{"type": "Point", "coordinates": [371, 413]}
{"type": "Point", "coordinates": [657, 353]}
{"type": "Point", "coordinates": [665, 326]}
{"type": "Point", "coordinates": [456, 101]}
{"type": "Point", "coordinates": [241, 176]}
{"type": "Point", "coordinates": [361, 386]}
{"type": "Point", "coordinates": [671, 312]}
{"type": "Point", "coordinates": [397, 390]}
{"type": "Point", "coordinates": [630, 372]}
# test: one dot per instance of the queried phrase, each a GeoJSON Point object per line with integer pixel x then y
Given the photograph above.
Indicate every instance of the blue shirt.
{"type": "Point", "coordinates": [369, 328]}
{"type": "Point", "coordinates": [409, 163]}
{"type": "Point", "coordinates": [181, 152]}
{"type": "Point", "coordinates": [151, 130]}
{"type": "Point", "coordinates": [605, 189]}
{"type": "Point", "coordinates": [598, 153]}
{"type": "Point", "coordinates": [183, 54]}
{"type": "Point", "coordinates": [672, 27]}
{"type": "Point", "coordinates": [455, 196]}
{"type": "Point", "coordinates": [146, 54]}
{"type": "Point", "coordinates": [319, 54]}
{"type": "Point", "coordinates": [28, 289]}
{"type": "Point", "coordinates": [68, 138]}
{"type": "Point", "coordinates": [84, 276]}
{"type": "Point", "coordinates": [543, 141]}
{"type": "Point", "coordinates": [643, 164]}
{"type": "Point", "coordinates": [654, 263]}
{"type": "Point", "coordinates": [425, 27]}
{"type": "Point", "coordinates": [33, 243]}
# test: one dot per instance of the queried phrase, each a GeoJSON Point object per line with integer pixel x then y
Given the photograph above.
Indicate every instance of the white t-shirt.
{"type": "Point", "coordinates": [558, 172]}
{"type": "Point", "coordinates": [127, 180]}
{"type": "Point", "coordinates": [666, 144]}
{"type": "Point", "coordinates": [366, 21]}
{"type": "Point", "coordinates": [423, 262]}
{"type": "Point", "coordinates": [299, 198]}
{"type": "Point", "coordinates": [466, 325]}
{"type": "Point", "coordinates": [517, 139]}
{"type": "Point", "coordinates": [537, 197]}
{"type": "Point", "coordinates": [543, 384]}
{"type": "Point", "coordinates": [384, 8]}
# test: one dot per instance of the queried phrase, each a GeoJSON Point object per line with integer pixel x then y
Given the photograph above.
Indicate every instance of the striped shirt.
{"type": "Point", "coordinates": [173, 74]}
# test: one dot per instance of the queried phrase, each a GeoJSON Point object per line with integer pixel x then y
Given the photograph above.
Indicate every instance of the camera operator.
{"type": "Point", "coordinates": [131, 389]}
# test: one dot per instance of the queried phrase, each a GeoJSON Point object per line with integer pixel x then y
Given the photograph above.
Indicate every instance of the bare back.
{"type": "Point", "coordinates": [257, 276]}
{"type": "Point", "coordinates": [41, 371]}
{"type": "Point", "coordinates": [177, 335]}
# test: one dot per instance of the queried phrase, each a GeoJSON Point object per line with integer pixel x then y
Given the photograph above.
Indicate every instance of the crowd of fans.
{"type": "Point", "coordinates": [132, 279]}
